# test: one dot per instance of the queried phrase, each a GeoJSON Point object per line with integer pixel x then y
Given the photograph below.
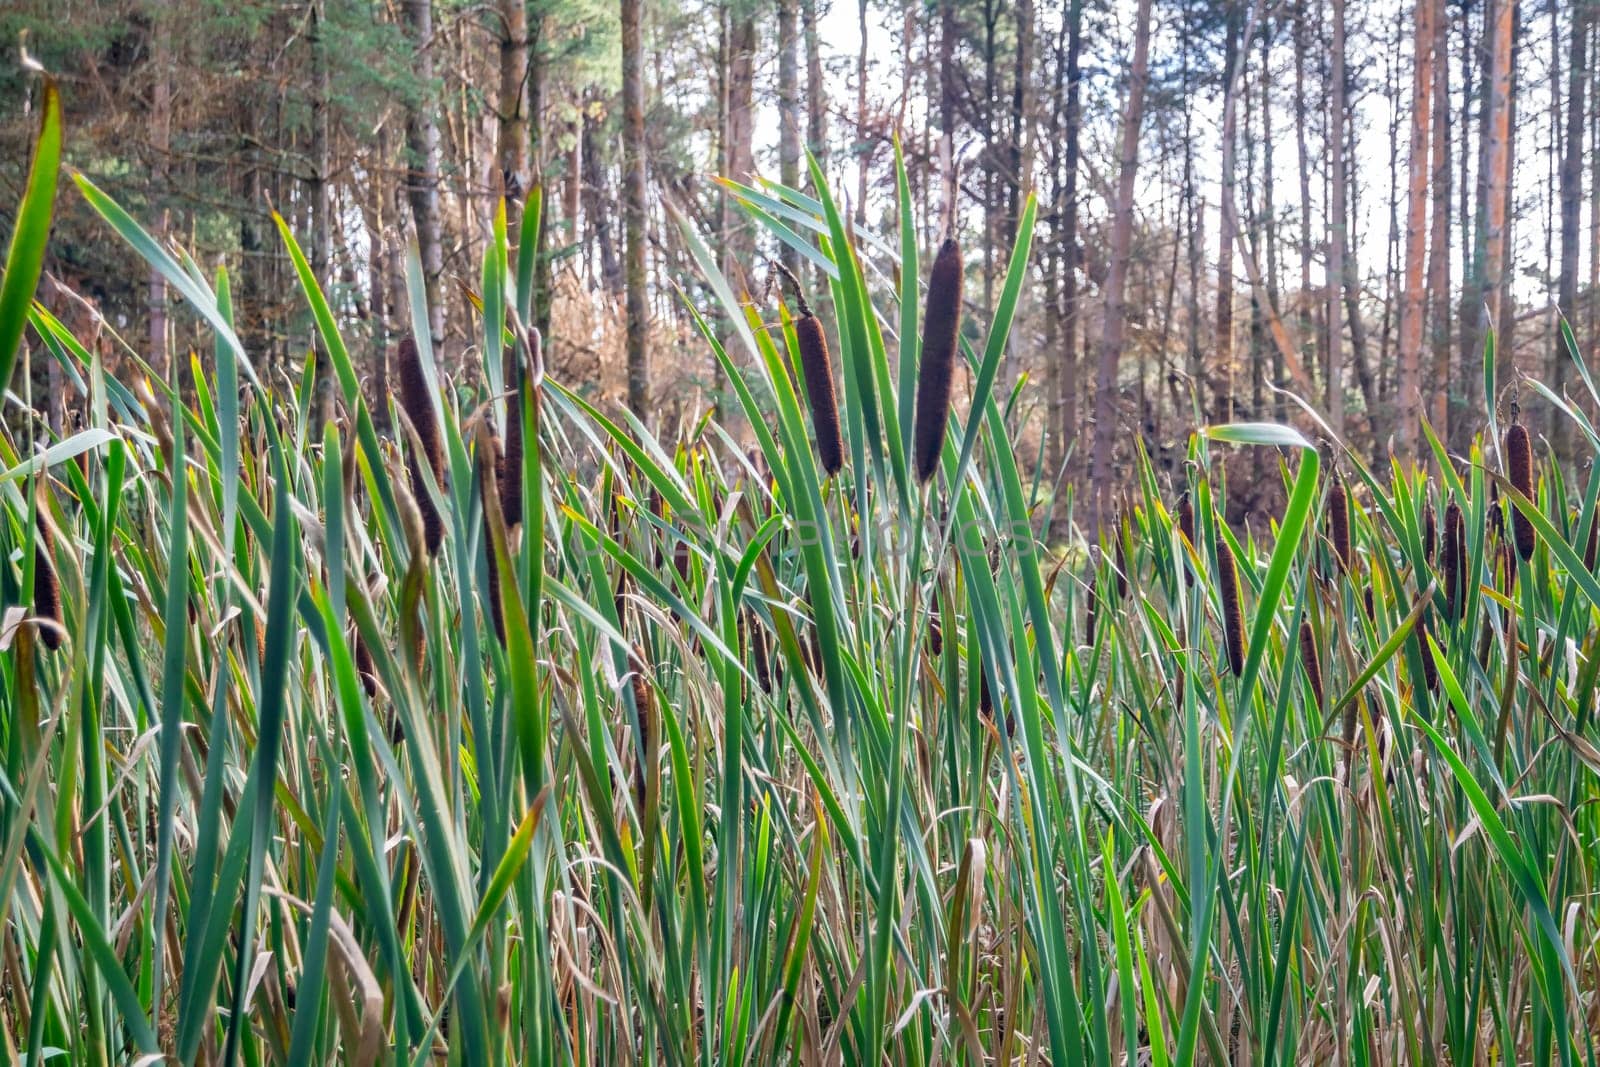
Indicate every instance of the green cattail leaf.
{"type": "Point", "coordinates": [25, 257]}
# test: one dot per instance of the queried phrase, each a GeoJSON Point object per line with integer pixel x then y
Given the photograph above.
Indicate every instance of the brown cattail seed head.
{"type": "Point", "coordinates": [817, 370]}
{"type": "Point", "coordinates": [1232, 614]}
{"type": "Point", "coordinates": [1339, 525]}
{"type": "Point", "coordinates": [644, 704]}
{"type": "Point", "coordinates": [489, 461]}
{"type": "Point", "coordinates": [365, 669]}
{"type": "Point", "coordinates": [760, 657]}
{"type": "Point", "coordinates": [1186, 527]}
{"type": "Point", "coordinates": [511, 462]}
{"type": "Point", "coordinates": [1593, 544]}
{"type": "Point", "coordinates": [1454, 559]}
{"type": "Point", "coordinates": [1430, 669]}
{"type": "Point", "coordinates": [1313, 665]}
{"type": "Point", "coordinates": [940, 328]}
{"type": "Point", "coordinates": [416, 398]}
{"type": "Point", "coordinates": [47, 587]}
{"type": "Point", "coordinates": [1092, 612]}
{"type": "Point", "coordinates": [1121, 557]}
{"type": "Point", "coordinates": [1519, 465]}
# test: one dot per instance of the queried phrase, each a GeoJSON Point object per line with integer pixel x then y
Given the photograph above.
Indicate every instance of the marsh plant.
{"type": "Point", "coordinates": [531, 733]}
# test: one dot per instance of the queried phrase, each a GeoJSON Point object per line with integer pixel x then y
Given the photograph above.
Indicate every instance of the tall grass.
{"type": "Point", "coordinates": [294, 790]}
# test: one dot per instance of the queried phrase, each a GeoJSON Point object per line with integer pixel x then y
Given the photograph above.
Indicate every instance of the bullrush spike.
{"type": "Point", "coordinates": [416, 399]}
{"type": "Point", "coordinates": [644, 704]}
{"type": "Point", "coordinates": [489, 462]}
{"type": "Point", "coordinates": [1232, 614]}
{"type": "Point", "coordinates": [511, 461]}
{"type": "Point", "coordinates": [1519, 466]}
{"type": "Point", "coordinates": [1591, 546]}
{"type": "Point", "coordinates": [1120, 560]}
{"type": "Point", "coordinates": [817, 369]}
{"type": "Point", "coordinates": [1454, 559]}
{"type": "Point", "coordinates": [1313, 664]}
{"type": "Point", "coordinates": [940, 328]}
{"type": "Point", "coordinates": [1339, 524]}
{"type": "Point", "coordinates": [47, 587]}
{"type": "Point", "coordinates": [366, 670]}
{"type": "Point", "coordinates": [1430, 669]}
{"type": "Point", "coordinates": [1186, 527]}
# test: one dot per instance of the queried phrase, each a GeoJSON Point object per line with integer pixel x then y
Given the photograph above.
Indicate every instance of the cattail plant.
{"type": "Point", "coordinates": [1592, 545]}
{"type": "Point", "coordinates": [47, 587]}
{"type": "Point", "coordinates": [1091, 618]}
{"type": "Point", "coordinates": [817, 370]}
{"type": "Point", "coordinates": [510, 470]}
{"type": "Point", "coordinates": [1339, 524]}
{"type": "Point", "coordinates": [1430, 534]}
{"type": "Point", "coordinates": [644, 705]}
{"type": "Point", "coordinates": [366, 670]}
{"type": "Point", "coordinates": [1186, 527]}
{"type": "Point", "coordinates": [940, 331]}
{"type": "Point", "coordinates": [1311, 661]}
{"type": "Point", "coordinates": [490, 461]}
{"type": "Point", "coordinates": [417, 401]}
{"type": "Point", "coordinates": [1430, 669]}
{"type": "Point", "coordinates": [1232, 613]}
{"type": "Point", "coordinates": [1120, 558]}
{"type": "Point", "coordinates": [1519, 466]}
{"type": "Point", "coordinates": [1454, 559]}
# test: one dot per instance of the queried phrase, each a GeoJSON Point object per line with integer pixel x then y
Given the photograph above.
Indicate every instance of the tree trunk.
{"type": "Point", "coordinates": [511, 139]}
{"type": "Point", "coordinates": [1067, 382]}
{"type": "Point", "coordinates": [1414, 295]}
{"type": "Point", "coordinates": [161, 151]}
{"type": "Point", "coordinates": [1571, 197]}
{"type": "Point", "coordinates": [863, 134]}
{"type": "Point", "coordinates": [422, 166]}
{"type": "Point", "coordinates": [598, 202]}
{"type": "Point", "coordinates": [948, 99]}
{"type": "Point", "coordinates": [1222, 370]}
{"type": "Point", "coordinates": [1111, 339]}
{"type": "Point", "coordinates": [789, 110]}
{"type": "Point", "coordinates": [739, 154]}
{"type": "Point", "coordinates": [1439, 254]}
{"type": "Point", "coordinates": [816, 87]}
{"type": "Point", "coordinates": [633, 210]}
{"type": "Point", "coordinates": [1497, 164]}
{"type": "Point", "coordinates": [1338, 221]}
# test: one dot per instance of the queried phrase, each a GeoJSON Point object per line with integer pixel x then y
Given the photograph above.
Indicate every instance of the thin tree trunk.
{"type": "Point", "coordinates": [598, 204]}
{"type": "Point", "coordinates": [1439, 254]}
{"type": "Point", "coordinates": [1414, 299]}
{"type": "Point", "coordinates": [1111, 340]}
{"type": "Point", "coordinates": [633, 210]}
{"type": "Point", "coordinates": [1222, 399]}
{"type": "Point", "coordinates": [511, 133]}
{"type": "Point", "coordinates": [948, 96]}
{"type": "Point", "coordinates": [1339, 218]}
{"type": "Point", "coordinates": [1498, 161]}
{"type": "Point", "coordinates": [1571, 197]}
{"type": "Point", "coordinates": [740, 148]}
{"type": "Point", "coordinates": [422, 170]}
{"type": "Point", "coordinates": [161, 151]}
{"type": "Point", "coordinates": [789, 109]}
{"type": "Point", "coordinates": [1067, 382]}
{"type": "Point", "coordinates": [863, 135]}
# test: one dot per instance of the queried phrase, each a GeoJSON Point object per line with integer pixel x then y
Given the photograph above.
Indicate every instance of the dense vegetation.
{"type": "Point", "coordinates": [321, 746]}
